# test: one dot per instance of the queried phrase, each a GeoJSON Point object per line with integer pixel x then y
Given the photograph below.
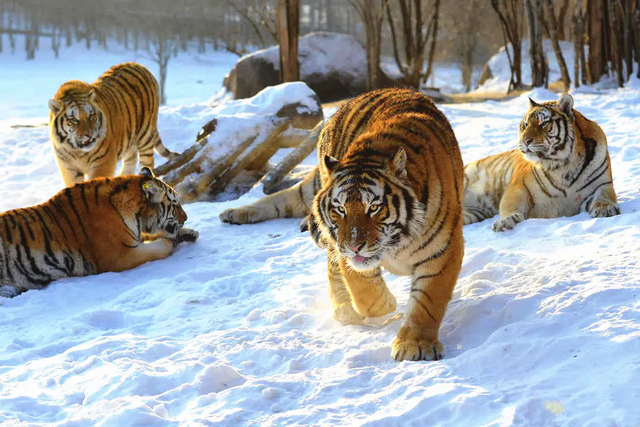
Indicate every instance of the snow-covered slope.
{"type": "Point", "coordinates": [501, 73]}
{"type": "Point", "coordinates": [236, 329]}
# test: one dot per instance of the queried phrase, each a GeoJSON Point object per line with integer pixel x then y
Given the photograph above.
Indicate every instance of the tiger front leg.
{"type": "Point", "coordinates": [150, 250]}
{"type": "Point", "coordinates": [368, 291]}
{"type": "Point", "coordinates": [343, 310]}
{"type": "Point", "coordinates": [514, 208]}
{"type": "Point", "coordinates": [431, 288]}
{"type": "Point", "coordinates": [605, 203]}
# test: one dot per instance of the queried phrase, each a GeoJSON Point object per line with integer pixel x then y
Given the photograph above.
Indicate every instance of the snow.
{"type": "Point", "coordinates": [237, 328]}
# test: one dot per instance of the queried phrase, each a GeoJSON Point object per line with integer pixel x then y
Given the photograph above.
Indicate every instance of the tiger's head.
{"type": "Point", "coordinates": [164, 211]}
{"type": "Point", "coordinates": [77, 120]}
{"type": "Point", "coordinates": [546, 134]}
{"type": "Point", "coordinates": [366, 211]}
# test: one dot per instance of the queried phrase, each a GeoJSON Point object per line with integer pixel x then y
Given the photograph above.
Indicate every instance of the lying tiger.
{"type": "Point", "coordinates": [94, 126]}
{"type": "Point", "coordinates": [96, 226]}
{"type": "Point", "coordinates": [560, 168]}
{"type": "Point", "coordinates": [389, 194]}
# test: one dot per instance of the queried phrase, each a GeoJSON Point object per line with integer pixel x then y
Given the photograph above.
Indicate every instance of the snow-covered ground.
{"type": "Point", "coordinates": [236, 329]}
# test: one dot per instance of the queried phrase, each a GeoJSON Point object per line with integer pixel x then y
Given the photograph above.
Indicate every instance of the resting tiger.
{"type": "Point", "coordinates": [561, 168]}
{"type": "Point", "coordinates": [106, 224]}
{"type": "Point", "coordinates": [389, 194]}
{"type": "Point", "coordinates": [94, 126]}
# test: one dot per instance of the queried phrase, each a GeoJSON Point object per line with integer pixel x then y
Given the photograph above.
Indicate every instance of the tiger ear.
{"type": "Point", "coordinates": [330, 163]}
{"type": "Point", "coordinates": [92, 96]}
{"type": "Point", "coordinates": [565, 103]}
{"type": "Point", "coordinates": [152, 191]}
{"type": "Point", "coordinates": [533, 104]}
{"type": "Point", "coordinates": [55, 106]}
{"type": "Point", "coordinates": [145, 171]}
{"type": "Point", "coordinates": [398, 164]}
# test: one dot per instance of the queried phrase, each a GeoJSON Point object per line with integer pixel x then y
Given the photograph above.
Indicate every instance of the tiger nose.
{"type": "Point", "coordinates": [527, 141]}
{"type": "Point", "coordinates": [355, 248]}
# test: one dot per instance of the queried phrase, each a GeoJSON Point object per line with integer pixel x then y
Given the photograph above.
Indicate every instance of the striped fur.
{"type": "Point", "coordinates": [105, 224]}
{"type": "Point", "coordinates": [389, 194]}
{"type": "Point", "coordinates": [94, 126]}
{"type": "Point", "coordinates": [561, 168]}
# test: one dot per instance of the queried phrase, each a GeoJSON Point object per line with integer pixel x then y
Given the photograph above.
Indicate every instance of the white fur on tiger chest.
{"type": "Point", "coordinates": [574, 187]}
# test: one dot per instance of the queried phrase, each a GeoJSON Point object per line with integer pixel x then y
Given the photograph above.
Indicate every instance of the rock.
{"type": "Point", "coordinates": [332, 65]}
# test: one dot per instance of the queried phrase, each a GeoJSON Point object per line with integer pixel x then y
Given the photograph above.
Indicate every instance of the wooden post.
{"type": "Point", "coordinates": [288, 22]}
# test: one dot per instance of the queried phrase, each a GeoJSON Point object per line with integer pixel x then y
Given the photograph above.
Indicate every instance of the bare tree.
{"type": "Point", "coordinates": [578, 44]}
{"type": "Point", "coordinates": [508, 12]}
{"type": "Point", "coordinates": [372, 13]}
{"type": "Point", "coordinates": [161, 49]}
{"type": "Point", "coordinates": [553, 33]}
{"type": "Point", "coordinates": [537, 59]}
{"type": "Point", "coordinates": [416, 34]}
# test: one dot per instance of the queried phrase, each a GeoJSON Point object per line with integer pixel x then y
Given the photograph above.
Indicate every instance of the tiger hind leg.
{"type": "Point", "coordinates": [129, 164]}
{"type": "Point", "coordinates": [293, 202]}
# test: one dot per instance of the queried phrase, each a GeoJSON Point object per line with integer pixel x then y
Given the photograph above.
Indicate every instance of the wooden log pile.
{"type": "Point", "coordinates": [202, 171]}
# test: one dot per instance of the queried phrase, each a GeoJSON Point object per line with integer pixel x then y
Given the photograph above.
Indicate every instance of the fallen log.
{"type": "Point", "coordinates": [293, 159]}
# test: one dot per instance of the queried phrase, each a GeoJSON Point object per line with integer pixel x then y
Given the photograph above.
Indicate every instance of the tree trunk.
{"type": "Point", "coordinates": [560, 25]}
{"type": "Point", "coordinates": [626, 9]}
{"type": "Point", "coordinates": [578, 41]}
{"type": "Point", "coordinates": [596, 37]}
{"type": "Point", "coordinates": [434, 39]}
{"type": "Point", "coordinates": [533, 10]}
{"type": "Point", "coordinates": [616, 56]}
{"type": "Point", "coordinates": [553, 33]}
{"type": "Point", "coordinates": [288, 23]}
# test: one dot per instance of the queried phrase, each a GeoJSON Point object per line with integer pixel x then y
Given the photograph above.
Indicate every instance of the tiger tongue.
{"type": "Point", "coordinates": [359, 258]}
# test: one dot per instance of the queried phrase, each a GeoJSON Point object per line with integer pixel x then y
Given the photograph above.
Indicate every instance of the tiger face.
{"type": "Point", "coordinates": [166, 213]}
{"type": "Point", "coordinates": [368, 215]}
{"type": "Point", "coordinates": [546, 133]}
{"type": "Point", "coordinates": [79, 122]}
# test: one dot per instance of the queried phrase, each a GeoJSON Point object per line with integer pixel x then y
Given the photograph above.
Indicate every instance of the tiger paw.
{"type": "Point", "coordinates": [410, 349]}
{"type": "Point", "coordinates": [188, 235]}
{"type": "Point", "coordinates": [508, 222]}
{"type": "Point", "coordinates": [8, 291]}
{"type": "Point", "coordinates": [384, 305]}
{"type": "Point", "coordinates": [604, 209]}
{"type": "Point", "coordinates": [238, 216]}
{"type": "Point", "coordinates": [304, 224]}
{"type": "Point", "coordinates": [347, 315]}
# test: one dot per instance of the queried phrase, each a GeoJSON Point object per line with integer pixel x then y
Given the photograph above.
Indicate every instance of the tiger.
{"type": "Point", "coordinates": [560, 168]}
{"type": "Point", "coordinates": [94, 126]}
{"type": "Point", "coordinates": [104, 224]}
{"type": "Point", "coordinates": [387, 193]}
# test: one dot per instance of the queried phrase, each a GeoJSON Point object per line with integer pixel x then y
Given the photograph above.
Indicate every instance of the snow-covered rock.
{"type": "Point", "coordinates": [333, 65]}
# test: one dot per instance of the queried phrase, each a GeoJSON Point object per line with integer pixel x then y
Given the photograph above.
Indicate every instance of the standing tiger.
{"type": "Point", "coordinates": [105, 224]}
{"type": "Point", "coordinates": [389, 194]}
{"type": "Point", "coordinates": [561, 168]}
{"type": "Point", "coordinates": [94, 126]}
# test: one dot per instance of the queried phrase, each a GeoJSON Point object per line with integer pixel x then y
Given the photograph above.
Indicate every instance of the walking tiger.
{"type": "Point", "coordinates": [388, 193]}
{"type": "Point", "coordinates": [94, 126]}
{"type": "Point", "coordinates": [105, 224]}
